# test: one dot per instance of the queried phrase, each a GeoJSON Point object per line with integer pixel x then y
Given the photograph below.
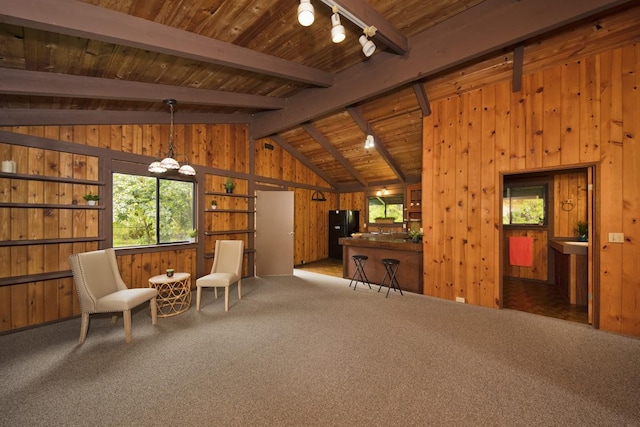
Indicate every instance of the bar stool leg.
{"type": "Point", "coordinates": [394, 282]}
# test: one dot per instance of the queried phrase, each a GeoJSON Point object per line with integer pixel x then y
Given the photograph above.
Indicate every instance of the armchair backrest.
{"type": "Point", "coordinates": [228, 257]}
{"type": "Point", "coordinates": [95, 275]}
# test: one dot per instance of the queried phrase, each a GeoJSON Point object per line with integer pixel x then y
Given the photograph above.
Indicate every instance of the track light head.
{"type": "Point", "coordinates": [368, 47]}
{"type": "Point", "coordinates": [369, 142]}
{"type": "Point", "coordinates": [305, 13]}
{"type": "Point", "coordinates": [337, 29]}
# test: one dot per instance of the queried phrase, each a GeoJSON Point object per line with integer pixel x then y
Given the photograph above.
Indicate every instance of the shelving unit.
{"type": "Point", "coordinates": [232, 218]}
{"type": "Point", "coordinates": [414, 206]}
{"type": "Point", "coordinates": [42, 237]}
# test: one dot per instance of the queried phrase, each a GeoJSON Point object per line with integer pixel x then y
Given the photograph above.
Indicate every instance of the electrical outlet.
{"type": "Point", "coordinates": [460, 299]}
{"type": "Point", "coordinates": [616, 237]}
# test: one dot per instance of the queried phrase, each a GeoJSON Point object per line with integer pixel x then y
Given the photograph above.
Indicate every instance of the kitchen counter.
{"type": "Point", "coordinates": [378, 247]}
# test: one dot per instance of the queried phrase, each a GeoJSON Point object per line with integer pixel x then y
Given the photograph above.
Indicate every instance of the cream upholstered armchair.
{"type": "Point", "coordinates": [226, 270]}
{"type": "Point", "coordinates": [101, 290]}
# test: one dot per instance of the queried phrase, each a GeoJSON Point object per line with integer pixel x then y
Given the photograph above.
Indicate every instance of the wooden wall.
{"type": "Point", "coordinates": [571, 111]}
{"type": "Point", "coordinates": [223, 147]}
{"type": "Point", "coordinates": [570, 203]}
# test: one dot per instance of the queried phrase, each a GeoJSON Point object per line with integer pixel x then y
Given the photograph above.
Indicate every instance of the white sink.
{"type": "Point", "coordinates": [584, 244]}
{"type": "Point", "coordinates": [569, 247]}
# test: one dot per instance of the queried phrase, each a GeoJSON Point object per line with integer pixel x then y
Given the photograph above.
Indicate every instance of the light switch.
{"type": "Point", "coordinates": [616, 237]}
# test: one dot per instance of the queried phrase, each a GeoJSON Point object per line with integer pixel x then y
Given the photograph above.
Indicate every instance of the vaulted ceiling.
{"type": "Point", "coordinates": [250, 61]}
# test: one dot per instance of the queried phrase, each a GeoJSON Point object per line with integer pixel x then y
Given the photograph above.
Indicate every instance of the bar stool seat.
{"type": "Point", "coordinates": [359, 275]}
{"type": "Point", "coordinates": [391, 268]}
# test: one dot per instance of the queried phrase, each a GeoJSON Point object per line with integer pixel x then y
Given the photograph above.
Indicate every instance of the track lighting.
{"type": "Point", "coordinates": [337, 29]}
{"type": "Point", "coordinates": [368, 47]}
{"type": "Point", "coordinates": [305, 13]}
{"type": "Point", "coordinates": [369, 142]}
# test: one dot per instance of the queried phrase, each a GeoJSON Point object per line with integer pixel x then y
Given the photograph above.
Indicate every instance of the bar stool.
{"type": "Point", "coordinates": [391, 266]}
{"type": "Point", "coordinates": [359, 275]}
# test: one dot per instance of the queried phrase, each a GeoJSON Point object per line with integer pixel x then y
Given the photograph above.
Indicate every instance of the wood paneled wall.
{"type": "Point", "coordinates": [540, 255]}
{"type": "Point", "coordinates": [570, 203]}
{"type": "Point", "coordinates": [225, 147]}
{"type": "Point", "coordinates": [580, 112]}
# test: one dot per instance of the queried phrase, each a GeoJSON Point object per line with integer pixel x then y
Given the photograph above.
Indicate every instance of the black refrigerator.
{"type": "Point", "coordinates": [341, 224]}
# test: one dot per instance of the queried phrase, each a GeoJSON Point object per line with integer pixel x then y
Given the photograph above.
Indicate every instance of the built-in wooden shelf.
{"type": "Point", "coordinates": [48, 206]}
{"type": "Point", "coordinates": [218, 233]}
{"type": "Point", "coordinates": [220, 193]}
{"type": "Point", "coordinates": [50, 178]}
{"type": "Point", "coordinates": [28, 242]}
{"type": "Point", "coordinates": [229, 210]}
{"type": "Point", "coordinates": [16, 280]}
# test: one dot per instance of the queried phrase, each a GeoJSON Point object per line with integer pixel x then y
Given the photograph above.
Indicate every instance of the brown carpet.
{"type": "Point", "coordinates": [309, 350]}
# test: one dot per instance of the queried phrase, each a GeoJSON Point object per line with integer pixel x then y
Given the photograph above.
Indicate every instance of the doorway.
{"type": "Point", "coordinates": [274, 233]}
{"type": "Point", "coordinates": [545, 287]}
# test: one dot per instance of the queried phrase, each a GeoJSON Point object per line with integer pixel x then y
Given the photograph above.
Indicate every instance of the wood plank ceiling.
{"type": "Point", "coordinates": [230, 61]}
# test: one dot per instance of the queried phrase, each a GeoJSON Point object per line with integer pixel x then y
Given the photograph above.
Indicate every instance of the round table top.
{"type": "Point", "coordinates": [163, 278]}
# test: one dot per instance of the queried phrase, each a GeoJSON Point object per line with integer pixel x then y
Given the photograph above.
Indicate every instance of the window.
{"type": "Point", "coordinates": [391, 206]}
{"type": "Point", "coordinates": [151, 211]}
{"type": "Point", "coordinates": [524, 205]}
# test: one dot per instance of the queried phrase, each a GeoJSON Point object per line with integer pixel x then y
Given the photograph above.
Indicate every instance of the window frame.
{"type": "Point", "coordinates": [524, 183]}
{"type": "Point", "coordinates": [122, 167]}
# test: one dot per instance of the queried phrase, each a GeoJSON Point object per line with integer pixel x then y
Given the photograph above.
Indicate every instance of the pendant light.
{"type": "Point", "coordinates": [169, 163]}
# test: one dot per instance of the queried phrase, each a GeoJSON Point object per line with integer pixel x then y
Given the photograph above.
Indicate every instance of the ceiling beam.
{"type": "Point", "coordinates": [360, 13]}
{"type": "Point", "coordinates": [362, 123]}
{"type": "Point", "coordinates": [423, 100]}
{"type": "Point", "coordinates": [305, 161]}
{"type": "Point", "coordinates": [80, 19]}
{"type": "Point", "coordinates": [518, 63]}
{"type": "Point", "coordinates": [482, 29]}
{"type": "Point", "coordinates": [320, 139]}
{"type": "Point", "coordinates": [38, 83]}
{"type": "Point", "coordinates": [33, 117]}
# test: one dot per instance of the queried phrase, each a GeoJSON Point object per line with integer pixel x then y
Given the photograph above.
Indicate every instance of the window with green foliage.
{"type": "Point", "coordinates": [391, 206]}
{"type": "Point", "coordinates": [151, 211]}
{"type": "Point", "coordinates": [525, 205]}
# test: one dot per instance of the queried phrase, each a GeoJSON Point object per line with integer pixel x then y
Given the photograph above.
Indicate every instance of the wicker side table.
{"type": "Point", "coordinates": [174, 293]}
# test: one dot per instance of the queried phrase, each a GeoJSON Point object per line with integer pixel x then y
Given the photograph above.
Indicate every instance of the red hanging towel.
{"type": "Point", "coordinates": [521, 251]}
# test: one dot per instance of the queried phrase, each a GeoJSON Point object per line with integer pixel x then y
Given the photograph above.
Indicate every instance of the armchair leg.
{"type": "Point", "coordinates": [239, 287]}
{"type": "Point", "coordinates": [127, 325]}
{"type": "Point", "coordinates": [84, 327]}
{"type": "Point", "coordinates": [198, 294]}
{"type": "Point", "coordinates": [226, 298]}
{"type": "Point", "coordinates": [154, 311]}
{"type": "Point", "coordinates": [114, 319]}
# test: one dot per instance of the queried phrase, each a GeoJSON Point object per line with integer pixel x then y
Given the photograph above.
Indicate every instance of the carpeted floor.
{"type": "Point", "coordinates": [309, 350]}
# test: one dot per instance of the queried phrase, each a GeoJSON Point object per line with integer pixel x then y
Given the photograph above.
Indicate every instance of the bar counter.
{"type": "Point", "coordinates": [377, 248]}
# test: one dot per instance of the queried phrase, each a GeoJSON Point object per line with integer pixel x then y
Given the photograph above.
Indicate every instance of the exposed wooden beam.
{"type": "Point", "coordinates": [37, 83]}
{"type": "Point", "coordinates": [518, 62]}
{"type": "Point", "coordinates": [305, 161]}
{"type": "Point", "coordinates": [362, 123]}
{"type": "Point", "coordinates": [485, 28]}
{"type": "Point", "coordinates": [80, 19]}
{"type": "Point", "coordinates": [320, 139]}
{"type": "Point", "coordinates": [25, 117]}
{"type": "Point", "coordinates": [423, 100]}
{"type": "Point", "coordinates": [360, 13]}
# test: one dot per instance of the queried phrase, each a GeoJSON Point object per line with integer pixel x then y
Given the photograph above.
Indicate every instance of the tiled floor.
{"type": "Point", "coordinates": [529, 296]}
{"type": "Point", "coordinates": [540, 298]}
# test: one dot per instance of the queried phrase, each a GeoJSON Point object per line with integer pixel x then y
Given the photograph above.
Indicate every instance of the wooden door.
{"type": "Point", "coordinates": [274, 233]}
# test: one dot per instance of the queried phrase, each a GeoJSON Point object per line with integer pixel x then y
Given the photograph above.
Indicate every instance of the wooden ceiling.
{"type": "Point", "coordinates": [236, 61]}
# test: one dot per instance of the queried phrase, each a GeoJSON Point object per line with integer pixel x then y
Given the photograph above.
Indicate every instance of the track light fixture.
{"type": "Point", "coordinates": [369, 142]}
{"type": "Point", "coordinates": [169, 162]}
{"type": "Point", "coordinates": [305, 13]}
{"type": "Point", "coordinates": [337, 29]}
{"type": "Point", "coordinates": [368, 47]}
